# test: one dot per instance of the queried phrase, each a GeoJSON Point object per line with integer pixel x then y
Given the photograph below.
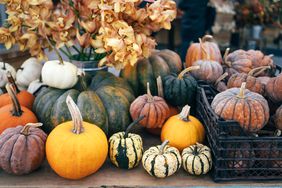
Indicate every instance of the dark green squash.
{"type": "Point", "coordinates": [100, 101]}
{"type": "Point", "coordinates": [180, 90]}
{"type": "Point", "coordinates": [160, 63]}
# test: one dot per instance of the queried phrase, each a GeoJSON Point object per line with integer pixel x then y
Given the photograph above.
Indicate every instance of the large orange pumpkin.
{"type": "Point", "coordinates": [200, 51]}
{"type": "Point", "coordinates": [183, 130]}
{"type": "Point", "coordinates": [76, 149]}
{"type": "Point", "coordinates": [25, 98]}
{"type": "Point", "coordinates": [14, 114]}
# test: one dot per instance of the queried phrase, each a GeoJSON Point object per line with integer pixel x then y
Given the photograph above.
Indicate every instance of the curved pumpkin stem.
{"type": "Point", "coordinates": [185, 112]}
{"type": "Point", "coordinates": [242, 91]}
{"type": "Point", "coordinates": [11, 80]}
{"type": "Point", "coordinates": [150, 96]}
{"type": "Point", "coordinates": [204, 49]}
{"type": "Point", "coordinates": [131, 125]}
{"type": "Point", "coordinates": [17, 111]}
{"type": "Point", "coordinates": [225, 57]}
{"type": "Point", "coordinates": [56, 51]}
{"type": "Point", "coordinates": [163, 146]}
{"type": "Point", "coordinates": [207, 38]}
{"type": "Point", "coordinates": [181, 74]}
{"type": "Point", "coordinates": [160, 87]}
{"type": "Point", "coordinates": [257, 71]}
{"type": "Point", "coordinates": [76, 116]}
{"type": "Point", "coordinates": [221, 78]}
{"type": "Point", "coordinates": [25, 129]}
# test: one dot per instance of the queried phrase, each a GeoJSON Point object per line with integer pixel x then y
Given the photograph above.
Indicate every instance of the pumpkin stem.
{"type": "Point", "coordinates": [160, 87]}
{"type": "Point", "coordinates": [25, 129]}
{"type": "Point", "coordinates": [150, 96]}
{"type": "Point", "coordinates": [163, 146]}
{"type": "Point", "coordinates": [132, 124]}
{"type": "Point", "coordinates": [185, 112]}
{"type": "Point", "coordinates": [56, 51]}
{"type": "Point", "coordinates": [182, 73]}
{"type": "Point", "coordinates": [76, 115]}
{"type": "Point", "coordinates": [17, 111]}
{"type": "Point", "coordinates": [196, 152]}
{"type": "Point", "coordinates": [207, 38]}
{"type": "Point", "coordinates": [221, 78]}
{"type": "Point", "coordinates": [228, 63]}
{"type": "Point", "coordinates": [204, 49]}
{"type": "Point", "coordinates": [11, 80]}
{"type": "Point", "coordinates": [270, 55]}
{"type": "Point", "coordinates": [257, 71]}
{"type": "Point", "coordinates": [4, 66]}
{"type": "Point", "coordinates": [242, 91]}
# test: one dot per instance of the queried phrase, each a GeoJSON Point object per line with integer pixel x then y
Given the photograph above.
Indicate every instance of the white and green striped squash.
{"type": "Point", "coordinates": [161, 161]}
{"type": "Point", "coordinates": [126, 149]}
{"type": "Point", "coordinates": [196, 159]}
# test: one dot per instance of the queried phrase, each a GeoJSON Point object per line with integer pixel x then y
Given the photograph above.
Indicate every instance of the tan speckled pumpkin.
{"type": "Point", "coordinates": [278, 118]}
{"type": "Point", "coordinates": [249, 109]}
{"type": "Point", "coordinates": [274, 89]}
{"type": "Point", "coordinates": [219, 84]}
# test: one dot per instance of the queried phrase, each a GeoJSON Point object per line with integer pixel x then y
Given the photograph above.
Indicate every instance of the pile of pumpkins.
{"type": "Point", "coordinates": [79, 112]}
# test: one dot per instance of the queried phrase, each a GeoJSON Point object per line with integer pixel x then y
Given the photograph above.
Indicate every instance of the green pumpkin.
{"type": "Point", "coordinates": [126, 149]}
{"type": "Point", "coordinates": [180, 90]}
{"type": "Point", "coordinates": [104, 101]}
{"type": "Point", "coordinates": [160, 63]}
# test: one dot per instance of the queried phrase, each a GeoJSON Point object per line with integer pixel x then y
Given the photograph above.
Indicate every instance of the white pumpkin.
{"type": "Point", "coordinates": [4, 67]}
{"type": "Point", "coordinates": [57, 75]}
{"type": "Point", "coordinates": [35, 86]}
{"type": "Point", "coordinates": [29, 71]}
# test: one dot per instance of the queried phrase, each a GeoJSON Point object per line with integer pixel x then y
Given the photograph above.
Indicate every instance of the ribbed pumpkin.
{"type": "Point", "coordinates": [160, 63]}
{"type": "Point", "coordinates": [154, 109]}
{"type": "Point", "coordinates": [220, 84]}
{"type": "Point", "coordinates": [22, 149]}
{"type": "Point", "coordinates": [252, 83]}
{"type": "Point", "coordinates": [196, 159]}
{"type": "Point", "coordinates": [25, 98]}
{"type": "Point", "coordinates": [180, 90]}
{"type": "Point", "coordinates": [278, 118]}
{"type": "Point", "coordinates": [76, 149]}
{"type": "Point", "coordinates": [274, 89]}
{"type": "Point", "coordinates": [103, 100]}
{"type": "Point", "coordinates": [249, 109]}
{"type": "Point", "coordinates": [183, 130]}
{"type": "Point", "coordinates": [126, 149]}
{"type": "Point", "coordinates": [161, 161]}
{"type": "Point", "coordinates": [206, 49]}
{"type": "Point", "coordinates": [14, 114]}
{"type": "Point", "coordinates": [241, 61]}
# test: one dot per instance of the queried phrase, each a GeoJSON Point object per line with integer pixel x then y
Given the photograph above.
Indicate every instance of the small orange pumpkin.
{"type": "Point", "coordinates": [25, 98]}
{"type": "Point", "coordinates": [76, 149]}
{"type": "Point", "coordinates": [183, 130]}
{"type": "Point", "coordinates": [14, 114]}
{"type": "Point", "coordinates": [200, 51]}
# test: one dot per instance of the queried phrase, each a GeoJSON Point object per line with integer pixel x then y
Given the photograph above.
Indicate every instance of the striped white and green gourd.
{"type": "Point", "coordinates": [196, 159]}
{"type": "Point", "coordinates": [126, 149]}
{"type": "Point", "coordinates": [161, 161]}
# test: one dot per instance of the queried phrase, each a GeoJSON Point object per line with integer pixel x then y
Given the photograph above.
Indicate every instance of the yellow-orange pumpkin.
{"type": "Point", "coordinates": [76, 149]}
{"type": "Point", "coordinates": [183, 130]}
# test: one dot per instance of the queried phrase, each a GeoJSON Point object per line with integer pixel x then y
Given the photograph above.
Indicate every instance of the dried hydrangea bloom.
{"type": "Point", "coordinates": [6, 38]}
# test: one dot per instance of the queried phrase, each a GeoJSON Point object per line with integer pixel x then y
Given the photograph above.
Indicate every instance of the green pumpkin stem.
{"type": "Point", "coordinates": [160, 87]}
{"type": "Point", "coordinates": [228, 63]}
{"type": "Point", "coordinates": [25, 129]}
{"type": "Point", "coordinates": [203, 48]}
{"type": "Point", "coordinates": [76, 116]}
{"type": "Point", "coordinates": [221, 78]}
{"type": "Point", "coordinates": [162, 147]}
{"type": "Point", "coordinates": [11, 80]}
{"type": "Point", "coordinates": [185, 113]}
{"type": "Point", "coordinates": [182, 73]}
{"type": "Point", "coordinates": [17, 111]}
{"type": "Point", "coordinates": [131, 125]}
{"type": "Point", "coordinates": [257, 71]}
{"type": "Point", "coordinates": [242, 91]}
{"type": "Point", "coordinates": [149, 94]}
{"type": "Point", "coordinates": [56, 51]}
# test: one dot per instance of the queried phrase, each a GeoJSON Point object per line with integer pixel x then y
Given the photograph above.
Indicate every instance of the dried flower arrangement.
{"type": "Point", "coordinates": [117, 32]}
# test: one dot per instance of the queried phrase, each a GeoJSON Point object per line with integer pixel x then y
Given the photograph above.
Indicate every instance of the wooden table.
{"type": "Point", "coordinates": [110, 176]}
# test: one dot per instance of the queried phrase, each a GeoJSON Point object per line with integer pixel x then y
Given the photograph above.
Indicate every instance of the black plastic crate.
{"type": "Point", "coordinates": [238, 155]}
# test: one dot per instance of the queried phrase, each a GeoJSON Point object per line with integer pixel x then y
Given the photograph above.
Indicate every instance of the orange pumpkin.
{"type": "Point", "coordinates": [76, 149]}
{"type": "Point", "coordinates": [200, 51]}
{"type": "Point", "coordinates": [25, 98]}
{"type": "Point", "coordinates": [14, 114]}
{"type": "Point", "coordinates": [183, 130]}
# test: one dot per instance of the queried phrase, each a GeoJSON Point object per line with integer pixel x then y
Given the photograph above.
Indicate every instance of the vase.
{"type": "Point", "coordinates": [89, 67]}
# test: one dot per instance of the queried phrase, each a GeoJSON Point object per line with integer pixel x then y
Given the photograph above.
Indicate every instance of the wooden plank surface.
{"type": "Point", "coordinates": [109, 176]}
